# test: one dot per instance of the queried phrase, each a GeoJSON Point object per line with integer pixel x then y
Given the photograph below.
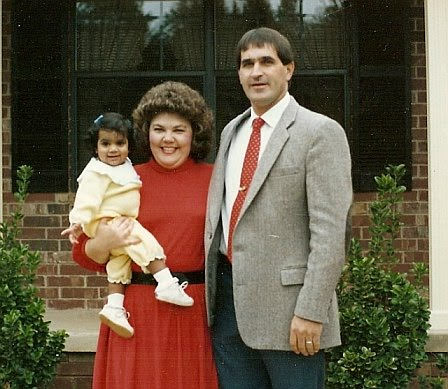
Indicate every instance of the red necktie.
{"type": "Point", "coordinates": [247, 173]}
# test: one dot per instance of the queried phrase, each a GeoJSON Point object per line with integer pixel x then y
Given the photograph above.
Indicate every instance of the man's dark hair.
{"type": "Point", "coordinates": [262, 36]}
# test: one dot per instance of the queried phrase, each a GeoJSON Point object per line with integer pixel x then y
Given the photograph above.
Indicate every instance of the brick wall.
{"type": "Point", "coordinates": [64, 285]}
{"type": "Point", "coordinates": [74, 372]}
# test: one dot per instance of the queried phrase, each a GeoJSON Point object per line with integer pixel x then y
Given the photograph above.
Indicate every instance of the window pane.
{"type": "Point", "coordinates": [96, 96]}
{"type": "Point", "coordinates": [315, 28]}
{"type": "Point", "coordinates": [323, 94]}
{"type": "Point", "coordinates": [33, 21]}
{"type": "Point", "coordinates": [382, 127]}
{"type": "Point", "coordinates": [381, 32]}
{"type": "Point", "coordinates": [139, 35]}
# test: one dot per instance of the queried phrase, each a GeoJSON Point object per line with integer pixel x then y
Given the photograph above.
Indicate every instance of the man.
{"type": "Point", "coordinates": [275, 229]}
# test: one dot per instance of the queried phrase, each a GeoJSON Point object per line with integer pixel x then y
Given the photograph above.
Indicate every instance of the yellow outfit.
{"type": "Point", "coordinates": [114, 191]}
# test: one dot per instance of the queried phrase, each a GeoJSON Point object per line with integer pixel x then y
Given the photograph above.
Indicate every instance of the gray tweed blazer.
{"type": "Point", "coordinates": [289, 243]}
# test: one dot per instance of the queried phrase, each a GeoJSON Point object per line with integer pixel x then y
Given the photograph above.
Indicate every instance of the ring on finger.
{"type": "Point", "coordinates": [309, 342]}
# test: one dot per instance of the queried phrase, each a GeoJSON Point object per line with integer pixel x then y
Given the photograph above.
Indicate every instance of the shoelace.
{"type": "Point", "coordinates": [183, 285]}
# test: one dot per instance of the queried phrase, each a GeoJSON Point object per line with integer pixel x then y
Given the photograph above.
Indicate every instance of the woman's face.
{"type": "Point", "coordinates": [170, 138]}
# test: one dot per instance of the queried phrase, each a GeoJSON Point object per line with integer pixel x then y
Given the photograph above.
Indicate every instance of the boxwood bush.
{"type": "Point", "coordinates": [29, 351]}
{"type": "Point", "coordinates": [384, 317]}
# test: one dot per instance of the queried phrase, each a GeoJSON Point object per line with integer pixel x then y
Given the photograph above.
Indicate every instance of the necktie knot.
{"type": "Point", "coordinates": [257, 124]}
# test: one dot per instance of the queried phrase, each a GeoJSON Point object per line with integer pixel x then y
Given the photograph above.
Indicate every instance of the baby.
{"type": "Point", "coordinates": [109, 187]}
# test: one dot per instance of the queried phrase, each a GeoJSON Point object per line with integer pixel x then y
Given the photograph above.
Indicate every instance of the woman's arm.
{"type": "Point", "coordinates": [93, 253]}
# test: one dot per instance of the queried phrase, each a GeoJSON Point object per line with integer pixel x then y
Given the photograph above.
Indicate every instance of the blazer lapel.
{"type": "Point", "coordinates": [216, 192]}
{"type": "Point", "coordinates": [275, 145]}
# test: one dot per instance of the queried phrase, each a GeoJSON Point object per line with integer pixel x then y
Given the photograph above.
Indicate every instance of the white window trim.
{"type": "Point", "coordinates": [436, 15]}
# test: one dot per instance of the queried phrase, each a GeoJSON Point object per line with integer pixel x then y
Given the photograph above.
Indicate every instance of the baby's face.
{"type": "Point", "coordinates": [112, 147]}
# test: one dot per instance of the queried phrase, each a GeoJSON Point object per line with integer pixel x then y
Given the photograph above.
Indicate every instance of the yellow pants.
{"type": "Point", "coordinates": [118, 267]}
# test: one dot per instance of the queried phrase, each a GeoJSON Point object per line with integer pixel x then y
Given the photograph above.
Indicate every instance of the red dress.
{"type": "Point", "coordinates": [171, 347]}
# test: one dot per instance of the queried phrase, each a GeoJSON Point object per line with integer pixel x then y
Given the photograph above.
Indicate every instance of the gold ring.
{"type": "Point", "coordinates": [309, 342]}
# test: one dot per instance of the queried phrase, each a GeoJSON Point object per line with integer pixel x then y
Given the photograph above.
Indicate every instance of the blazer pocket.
{"type": "Point", "coordinates": [293, 276]}
{"type": "Point", "coordinates": [284, 171]}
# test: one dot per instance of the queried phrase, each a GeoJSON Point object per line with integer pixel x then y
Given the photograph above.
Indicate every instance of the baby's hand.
{"type": "Point", "coordinates": [73, 232]}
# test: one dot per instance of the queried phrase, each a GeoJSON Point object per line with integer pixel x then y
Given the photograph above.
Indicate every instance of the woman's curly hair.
{"type": "Point", "coordinates": [179, 98]}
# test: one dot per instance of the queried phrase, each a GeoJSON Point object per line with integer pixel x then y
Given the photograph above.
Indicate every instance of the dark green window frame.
{"type": "Point", "coordinates": [362, 95]}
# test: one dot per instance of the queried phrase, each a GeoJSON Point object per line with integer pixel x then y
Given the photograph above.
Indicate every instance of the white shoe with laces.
{"type": "Point", "coordinates": [174, 293]}
{"type": "Point", "coordinates": [116, 318]}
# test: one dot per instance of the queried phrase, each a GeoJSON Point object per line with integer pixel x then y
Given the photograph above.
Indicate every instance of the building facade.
{"type": "Point", "coordinates": [372, 66]}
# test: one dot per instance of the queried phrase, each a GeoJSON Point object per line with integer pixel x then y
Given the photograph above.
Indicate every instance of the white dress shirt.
{"type": "Point", "coordinates": [235, 158]}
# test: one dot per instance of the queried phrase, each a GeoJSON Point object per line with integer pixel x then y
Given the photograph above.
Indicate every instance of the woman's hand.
{"type": "Point", "coordinates": [73, 232]}
{"type": "Point", "coordinates": [110, 234]}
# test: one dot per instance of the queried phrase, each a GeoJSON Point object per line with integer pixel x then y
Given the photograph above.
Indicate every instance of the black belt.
{"type": "Point", "coordinates": [192, 277]}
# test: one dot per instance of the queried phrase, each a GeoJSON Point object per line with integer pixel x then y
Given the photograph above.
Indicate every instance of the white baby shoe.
{"type": "Point", "coordinates": [117, 319]}
{"type": "Point", "coordinates": [172, 292]}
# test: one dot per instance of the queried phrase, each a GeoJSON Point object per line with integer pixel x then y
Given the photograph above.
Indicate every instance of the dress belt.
{"type": "Point", "coordinates": [193, 277]}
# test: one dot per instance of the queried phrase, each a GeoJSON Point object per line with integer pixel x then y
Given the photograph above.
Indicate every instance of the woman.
{"type": "Point", "coordinates": [171, 346]}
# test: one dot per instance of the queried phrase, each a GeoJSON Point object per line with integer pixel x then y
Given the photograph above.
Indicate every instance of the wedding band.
{"type": "Point", "coordinates": [309, 342]}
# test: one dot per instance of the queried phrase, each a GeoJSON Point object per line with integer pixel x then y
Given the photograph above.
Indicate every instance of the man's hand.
{"type": "Point", "coordinates": [304, 336]}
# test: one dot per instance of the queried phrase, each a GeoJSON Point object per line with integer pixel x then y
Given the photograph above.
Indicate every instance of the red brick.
{"type": "Point", "coordinates": [418, 84]}
{"type": "Point", "coordinates": [410, 196]}
{"type": "Point", "coordinates": [422, 146]}
{"type": "Point", "coordinates": [55, 233]}
{"type": "Point", "coordinates": [49, 293]}
{"type": "Point", "coordinates": [420, 158]}
{"type": "Point", "coordinates": [42, 245]}
{"type": "Point", "coordinates": [65, 304]}
{"type": "Point", "coordinates": [41, 198]}
{"type": "Point", "coordinates": [422, 97]}
{"type": "Point", "coordinates": [423, 244]}
{"type": "Point", "coordinates": [41, 221]}
{"type": "Point", "coordinates": [47, 270]}
{"type": "Point", "coordinates": [418, 109]}
{"type": "Point", "coordinates": [33, 233]}
{"type": "Point", "coordinates": [409, 232]}
{"type": "Point", "coordinates": [418, 134]}
{"type": "Point", "coordinates": [358, 221]}
{"type": "Point", "coordinates": [73, 269]}
{"type": "Point", "coordinates": [356, 232]}
{"type": "Point", "coordinates": [365, 196]}
{"type": "Point", "coordinates": [65, 245]}
{"type": "Point", "coordinates": [420, 183]}
{"type": "Point", "coordinates": [79, 293]}
{"type": "Point", "coordinates": [422, 195]}
{"type": "Point", "coordinates": [408, 220]}
{"type": "Point", "coordinates": [423, 122]}
{"type": "Point", "coordinates": [66, 281]}
{"type": "Point", "coordinates": [423, 171]}
{"type": "Point", "coordinates": [96, 280]}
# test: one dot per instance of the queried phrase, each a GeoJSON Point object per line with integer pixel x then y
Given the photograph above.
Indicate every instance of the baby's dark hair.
{"type": "Point", "coordinates": [110, 121]}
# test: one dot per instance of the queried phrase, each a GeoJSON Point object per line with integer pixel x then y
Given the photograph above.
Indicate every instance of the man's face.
{"type": "Point", "coordinates": [263, 77]}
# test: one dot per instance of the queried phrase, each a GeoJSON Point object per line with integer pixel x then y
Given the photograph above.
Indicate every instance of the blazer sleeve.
{"type": "Point", "coordinates": [80, 257]}
{"type": "Point", "coordinates": [329, 196]}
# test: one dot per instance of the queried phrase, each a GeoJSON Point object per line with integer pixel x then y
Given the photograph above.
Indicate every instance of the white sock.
{"type": "Point", "coordinates": [115, 299]}
{"type": "Point", "coordinates": [163, 276]}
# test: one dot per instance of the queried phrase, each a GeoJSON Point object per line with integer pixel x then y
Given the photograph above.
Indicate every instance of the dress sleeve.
{"type": "Point", "coordinates": [80, 257]}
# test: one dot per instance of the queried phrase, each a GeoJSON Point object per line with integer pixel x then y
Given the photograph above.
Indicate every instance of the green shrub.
{"type": "Point", "coordinates": [384, 317]}
{"type": "Point", "coordinates": [29, 351]}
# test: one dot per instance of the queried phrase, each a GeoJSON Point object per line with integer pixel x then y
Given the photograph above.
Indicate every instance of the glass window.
{"type": "Point", "coordinates": [315, 28]}
{"type": "Point", "coordinates": [139, 35]}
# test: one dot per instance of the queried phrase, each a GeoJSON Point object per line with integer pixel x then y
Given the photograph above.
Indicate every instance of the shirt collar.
{"type": "Point", "coordinates": [273, 115]}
